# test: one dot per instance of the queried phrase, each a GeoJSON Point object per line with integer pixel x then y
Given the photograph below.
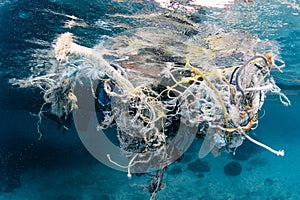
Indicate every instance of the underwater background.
{"type": "Point", "coordinates": [59, 167]}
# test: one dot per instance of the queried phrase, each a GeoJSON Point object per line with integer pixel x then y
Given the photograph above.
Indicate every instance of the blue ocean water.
{"type": "Point", "coordinates": [59, 167]}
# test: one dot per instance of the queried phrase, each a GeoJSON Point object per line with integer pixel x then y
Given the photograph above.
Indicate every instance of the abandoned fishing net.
{"type": "Point", "coordinates": [161, 85]}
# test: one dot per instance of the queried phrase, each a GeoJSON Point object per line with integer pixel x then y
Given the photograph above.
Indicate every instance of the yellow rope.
{"type": "Point", "coordinates": [196, 71]}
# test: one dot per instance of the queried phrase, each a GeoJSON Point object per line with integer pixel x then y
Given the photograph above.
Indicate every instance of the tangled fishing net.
{"type": "Point", "coordinates": [150, 82]}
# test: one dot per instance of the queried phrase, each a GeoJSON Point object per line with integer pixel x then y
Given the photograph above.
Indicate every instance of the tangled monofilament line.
{"type": "Point", "coordinates": [221, 103]}
{"type": "Point", "coordinates": [202, 95]}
